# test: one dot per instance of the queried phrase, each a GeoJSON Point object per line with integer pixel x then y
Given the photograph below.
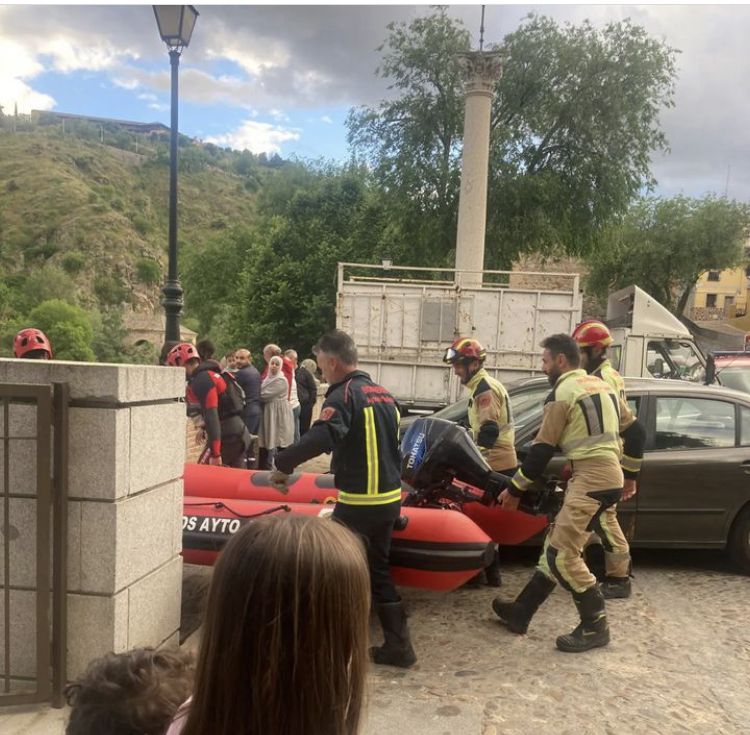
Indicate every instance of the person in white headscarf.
{"type": "Point", "coordinates": [277, 426]}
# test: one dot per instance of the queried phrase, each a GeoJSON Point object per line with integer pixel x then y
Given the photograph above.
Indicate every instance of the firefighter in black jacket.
{"type": "Point", "coordinates": [359, 423]}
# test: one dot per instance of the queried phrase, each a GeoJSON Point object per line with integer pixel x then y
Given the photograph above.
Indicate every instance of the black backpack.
{"type": "Point", "coordinates": [232, 400]}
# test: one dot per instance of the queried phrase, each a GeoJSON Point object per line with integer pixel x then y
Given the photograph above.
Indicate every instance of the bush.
{"type": "Point", "coordinates": [141, 224]}
{"type": "Point", "coordinates": [73, 262]}
{"type": "Point", "coordinates": [68, 328]}
{"type": "Point", "coordinates": [48, 282]}
{"type": "Point", "coordinates": [110, 290]}
{"type": "Point", "coordinates": [148, 271]}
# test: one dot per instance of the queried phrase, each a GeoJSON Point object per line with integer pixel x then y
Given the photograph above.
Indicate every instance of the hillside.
{"type": "Point", "coordinates": [74, 209]}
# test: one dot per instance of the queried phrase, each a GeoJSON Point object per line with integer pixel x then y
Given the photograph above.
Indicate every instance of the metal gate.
{"type": "Point", "coordinates": [33, 542]}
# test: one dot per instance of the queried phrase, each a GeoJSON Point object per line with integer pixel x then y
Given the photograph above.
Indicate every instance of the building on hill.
{"type": "Point", "coordinates": [50, 117]}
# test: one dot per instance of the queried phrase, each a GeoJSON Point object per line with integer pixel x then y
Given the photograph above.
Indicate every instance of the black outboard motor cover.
{"type": "Point", "coordinates": [434, 451]}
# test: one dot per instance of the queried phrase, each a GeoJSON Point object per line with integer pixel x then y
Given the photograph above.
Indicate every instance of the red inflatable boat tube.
{"type": "Point", "coordinates": [504, 527]}
{"type": "Point", "coordinates": [438, 549]}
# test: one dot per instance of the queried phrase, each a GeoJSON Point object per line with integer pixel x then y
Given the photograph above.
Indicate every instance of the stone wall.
{"type": "Point", "coordinates": [125, 507]}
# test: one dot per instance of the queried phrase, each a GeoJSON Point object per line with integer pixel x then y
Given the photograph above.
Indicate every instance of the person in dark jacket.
{"type": "Point", "coordinates": [307, 392]}
{"type": "Point", "coordinates": [226, 433]}
{"type": "Point", "coordinates": [249, 379]}
{"type": "Point", "coordinates": [359, 425]}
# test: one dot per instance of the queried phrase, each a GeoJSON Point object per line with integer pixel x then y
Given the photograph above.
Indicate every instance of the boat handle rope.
{"type": "Point", "coordinates": [218, 505]}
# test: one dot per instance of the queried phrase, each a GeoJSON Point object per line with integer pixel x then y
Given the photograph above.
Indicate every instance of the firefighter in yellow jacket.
{"type": "Point", "coordinates": [593, 338]}
{"type": "Point", "coordinates": [490, 414]}
{"type": "Point", "coordinates": [585, 418]}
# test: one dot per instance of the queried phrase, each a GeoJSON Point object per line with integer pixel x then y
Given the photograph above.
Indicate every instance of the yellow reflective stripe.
{"type": "Point", "coordinates": [378, 499]}
{"type": "Point", "coordinates": [371, 449]}
{"type": "Point", "coordinates": [398, 423]}
{"type": "Point", "coordinates": [631, 464]}
{"type": "Point", "coordinates": [521, 481]}
{"type": "Point", "coordinates": [562, 559]}
{"type": "Point", "coordinates": [604, 525]}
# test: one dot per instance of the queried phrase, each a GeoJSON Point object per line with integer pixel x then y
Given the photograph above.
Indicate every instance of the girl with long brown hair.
{"type": "Point", "coordinates": [284, 647]}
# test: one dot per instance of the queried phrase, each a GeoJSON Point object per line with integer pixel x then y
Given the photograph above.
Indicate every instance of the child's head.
{"type": "Point", "coordinates": [284, 646]}
{"type": "Point", "coordinates": [274, 365]}
{"type": "Point", "coordinates": [133, 693]}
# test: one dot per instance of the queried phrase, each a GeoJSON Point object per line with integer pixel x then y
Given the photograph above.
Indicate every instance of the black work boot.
{"type": "Point", "coordinates": [593, 630]}
{"type": "Point", "coordinates": [517, 614]}
{"type": "Point", "coordinates": [397, 649]}
{"type": "Point", "coordinates": [615, 587]}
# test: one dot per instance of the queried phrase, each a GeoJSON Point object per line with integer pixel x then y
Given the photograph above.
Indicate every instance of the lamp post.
{"type": "Point", "coordinates": [176, 23]}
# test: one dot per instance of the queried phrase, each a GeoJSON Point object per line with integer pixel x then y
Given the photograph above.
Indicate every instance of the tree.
{"type": "Point", "coordinates": [413, 142]}
{"type": "Point", "coordinates": [665, 245]}
{"type": "Point", "coordinates": [309, 220]}
{"type": "Point", "coordinates": [68, 328]}
{"type": "Point", "coordinates": [575, 120]}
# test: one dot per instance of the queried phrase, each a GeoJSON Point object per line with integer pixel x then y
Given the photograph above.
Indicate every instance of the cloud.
{"type": "Point", "coordinates": [326, 119]}
{"type": "Point", "coordinates": [257, 137]}
{"type": "Point", "coordinates": [19, 66]}
{"type": "Point", "coordinates": [313, 58]}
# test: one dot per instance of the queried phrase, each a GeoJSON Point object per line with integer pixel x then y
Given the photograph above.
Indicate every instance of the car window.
{"type": "Point", "coordinates": [455, 412]}
{"type": "Point", "coordinates": [683, 423]}
{"type": "Point", "coordinates": [735, 377]}
{"type": "Point", "coordinates": [528, 406]}
{"type": "Point", "coordinates": [633, 404]}
{"type": "Point", "coordinates": [671, 358]}
{"type": "Point", "coordinates": [744, 426]}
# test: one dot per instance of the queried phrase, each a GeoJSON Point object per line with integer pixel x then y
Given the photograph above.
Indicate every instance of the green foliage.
{"type": "Point", "coordinates": [141, 224]}
{"type": "Point", "coordinates": [108, 337]}
{"type": "Point", "coordinates": [212, 275]}
{"type": "Point", "coordinates": [73, 262]}
{"type": "Point", "coordinates": [68, 328]}
{"type": "Point", "coordinates": [49, 282]}
{"type": "Point", "coordinates": [309, 221]}
{"type": "Point", "coordinates": [574, 123]}
{"type": "Point", "coordinates": [665, 245]}
{"type": "Point", "coordinates": [148, 271]}
{"type": "Point", "coordinates": [110, 289]}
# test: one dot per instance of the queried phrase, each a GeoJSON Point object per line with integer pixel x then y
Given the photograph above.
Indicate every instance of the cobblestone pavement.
{"type": "Point", "coordinates": [679, 661]}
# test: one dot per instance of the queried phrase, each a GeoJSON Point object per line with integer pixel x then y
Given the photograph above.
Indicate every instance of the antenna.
{"type": "Point", "coordinates": [726, 185]}
{"type": "Point", "coordinates": [481, 31]}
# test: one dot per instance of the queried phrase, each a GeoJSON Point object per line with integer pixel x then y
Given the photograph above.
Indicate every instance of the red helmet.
{"type": "Point", "coordinates": [28, 340]}
{"type": "Point", "coordinates": [464, 349]}
{"type": "Point", "coordinates": [592, 333]}
{"type": "Point", "coordinates": [181, 353]}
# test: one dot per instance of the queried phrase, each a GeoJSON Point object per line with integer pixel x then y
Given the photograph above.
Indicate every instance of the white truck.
{"type": "Point", "coordinates": [649, 341]}
{"type": "Point", "coordinates": [402, 320]}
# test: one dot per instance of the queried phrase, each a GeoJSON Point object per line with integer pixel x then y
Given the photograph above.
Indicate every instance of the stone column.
{"type": "Point", "coordinates": [481, 70]}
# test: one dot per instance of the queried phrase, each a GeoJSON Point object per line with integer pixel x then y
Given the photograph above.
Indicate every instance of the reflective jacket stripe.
{"type": "Point", "coordinates": [631, 464]}
{"type": "Point", "coordinates": [371, 450]}
{"type": "Point", "coordinates": [391, 496]}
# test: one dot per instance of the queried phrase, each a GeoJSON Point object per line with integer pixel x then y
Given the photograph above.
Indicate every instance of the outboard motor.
{"type": "Point", "coordinates": [434, 452]}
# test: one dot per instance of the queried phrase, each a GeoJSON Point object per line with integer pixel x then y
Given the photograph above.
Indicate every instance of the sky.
{"type": "Point", "coordinates": [281, 78]}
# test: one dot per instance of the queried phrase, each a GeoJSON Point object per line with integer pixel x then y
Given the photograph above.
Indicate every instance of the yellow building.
{"type": "Point", "coordinates": [721, 294]}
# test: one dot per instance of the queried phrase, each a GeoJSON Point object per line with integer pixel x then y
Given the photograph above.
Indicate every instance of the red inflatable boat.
{"type": "Point", "coordinates": [504, 527]}
{"type": "Point", "coordinates": [438, 549]}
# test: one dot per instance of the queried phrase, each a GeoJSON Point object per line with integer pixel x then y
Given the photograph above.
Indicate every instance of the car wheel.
{"type": "Point", "coordinates": [739, 540]}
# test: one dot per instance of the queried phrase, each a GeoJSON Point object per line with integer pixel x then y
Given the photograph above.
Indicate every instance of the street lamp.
{"type": "Point", "coordinates": [176, 23]}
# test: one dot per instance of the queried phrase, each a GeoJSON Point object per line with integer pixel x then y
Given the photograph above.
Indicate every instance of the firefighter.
{"type": "Point", "coordinates": [359, 424]}
{"type": "Point", "coordinates": [585, 418]}
{"type": "Point", "coordinates": [490, 415]}
{"type": "Point", "coordinates": [32, 344]}
{"type": "Point", "coordinates": [221, 402]}
{"type": "Point", "coordinates": [593, 338]}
